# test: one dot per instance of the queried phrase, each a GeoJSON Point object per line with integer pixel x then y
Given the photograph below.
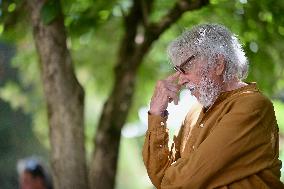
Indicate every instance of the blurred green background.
{"type": "Point", "coordinates": [94, 29]}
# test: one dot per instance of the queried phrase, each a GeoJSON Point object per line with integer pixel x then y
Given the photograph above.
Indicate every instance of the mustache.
{"type": "Point", "coordinates": [190, 87]}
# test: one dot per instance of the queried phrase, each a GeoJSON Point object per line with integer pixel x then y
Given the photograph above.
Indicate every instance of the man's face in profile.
{"type": "Point", "coordinates": [200, 78]}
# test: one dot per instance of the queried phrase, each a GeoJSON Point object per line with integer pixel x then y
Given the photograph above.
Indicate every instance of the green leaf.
{"type": "Point", "coordinates": [49, 11]}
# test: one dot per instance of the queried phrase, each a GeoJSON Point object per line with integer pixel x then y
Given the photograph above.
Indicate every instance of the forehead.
{"type": "Point", "coordinates": [198, 65]}
{"type": "Point", "coordinates": [182, 58]}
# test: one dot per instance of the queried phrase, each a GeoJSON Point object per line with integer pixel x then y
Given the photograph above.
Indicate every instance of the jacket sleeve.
{"type": "Point", "coordinates": [157, 156]}
{"type": "Point", "coordinates": [241, 142]}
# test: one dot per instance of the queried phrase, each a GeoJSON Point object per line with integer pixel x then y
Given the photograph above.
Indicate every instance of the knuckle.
{"type": "Point", "coordinates": [158, 82]}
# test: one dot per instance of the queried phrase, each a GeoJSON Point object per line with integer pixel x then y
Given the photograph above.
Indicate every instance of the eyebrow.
{"type": "Point", "coordinates": [186, 61]}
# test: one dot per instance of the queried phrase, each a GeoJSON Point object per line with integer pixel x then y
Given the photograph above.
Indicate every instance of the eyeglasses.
{"type": "Point", "coordinates": [180, 67]}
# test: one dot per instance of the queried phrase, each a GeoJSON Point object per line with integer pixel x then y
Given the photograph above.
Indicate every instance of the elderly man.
{"type": "Point", "coordinates": [229, 143]}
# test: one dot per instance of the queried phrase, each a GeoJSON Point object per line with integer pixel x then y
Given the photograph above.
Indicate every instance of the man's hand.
{"type": "Point", "coordinates": [165, 92]}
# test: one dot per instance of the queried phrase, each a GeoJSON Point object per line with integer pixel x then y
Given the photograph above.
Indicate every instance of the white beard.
{"type": "Point", "coordinates": [208, 91]}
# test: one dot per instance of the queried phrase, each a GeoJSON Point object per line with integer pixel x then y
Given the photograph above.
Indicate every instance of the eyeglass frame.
{"type": "Point", "coordinates": [179, 68]}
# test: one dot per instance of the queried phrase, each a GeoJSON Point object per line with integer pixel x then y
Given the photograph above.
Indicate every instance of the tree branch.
{"type": "Point", "coordinates": [132, 20]}
{"type": "Point", "coordinates": [131, 23]}
{"type": "Point", "coordinates": [155, 29]}
{"type": "Point", "coordinates": [146, 6]}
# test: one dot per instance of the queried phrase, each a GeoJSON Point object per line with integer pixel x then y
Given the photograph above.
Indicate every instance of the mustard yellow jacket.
{"type": "Point", "coordinates": [232, 145]}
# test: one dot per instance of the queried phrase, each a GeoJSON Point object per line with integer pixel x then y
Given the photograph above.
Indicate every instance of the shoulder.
{"type": "Point", "coordinates": [251, 101]}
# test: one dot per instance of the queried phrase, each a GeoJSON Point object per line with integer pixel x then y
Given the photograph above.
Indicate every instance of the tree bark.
{"type": "Point", "coordinates": [116, 108]}
{"type": "Point", "coordinates": [65, 100]}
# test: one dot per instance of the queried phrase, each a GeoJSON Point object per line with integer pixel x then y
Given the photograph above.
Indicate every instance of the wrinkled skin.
{"type": "Point", "coordinates": [204, 80]}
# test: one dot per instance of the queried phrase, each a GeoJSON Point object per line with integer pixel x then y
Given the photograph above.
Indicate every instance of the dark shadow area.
{"type": "Point", "coordinates": [17, 139]}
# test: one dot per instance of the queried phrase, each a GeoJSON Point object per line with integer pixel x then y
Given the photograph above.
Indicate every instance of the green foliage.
{"type": "Point", "coordinates": [50, 11]}
{"type": "Point", "coordinates": [160, 8]}
{"type": "Point", "coordinates": [12, 93]}
{"type": "Point", "coordinates": [13, 23]}
{"type": "Point", "coordinates": [279, 112]}
{"type": "Point", "coordinates": [131, 172]}
{"type": "Point", "coordinates": [17, 137]}
{"type": "Point", "coordinates": [81, 16]}
{"type": "Point", "coordinates": [17, 140]}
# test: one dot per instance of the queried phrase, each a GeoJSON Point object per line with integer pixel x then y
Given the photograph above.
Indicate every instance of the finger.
{"type": "Point", "coordinates": [176, 100]}
{"type": "Point", "coordinates": [173, 87]}
{"type": "Point", "coordinates": [173, 77]}
{"type": "Point", "coordinates": [165, 86]}
{"type": "Point", "coordinates": [159, 101]}
{"type": "Point", "coordinates": [173, 96]}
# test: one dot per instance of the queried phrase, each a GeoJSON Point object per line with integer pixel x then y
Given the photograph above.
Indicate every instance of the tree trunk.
{"type": "Point", "coordinates": [65, 100]}
{"type": "Point", "coordinates": [116, 108]}
{"type": "Point", "coordinates": [104, 163]}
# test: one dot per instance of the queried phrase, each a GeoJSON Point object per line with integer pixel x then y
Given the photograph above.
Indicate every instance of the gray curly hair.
{"type": "Point", "coordinates": [210, 40]}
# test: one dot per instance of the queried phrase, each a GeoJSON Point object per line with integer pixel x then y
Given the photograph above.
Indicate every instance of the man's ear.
{"type": "Point", "coordinates": [220, 65]}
